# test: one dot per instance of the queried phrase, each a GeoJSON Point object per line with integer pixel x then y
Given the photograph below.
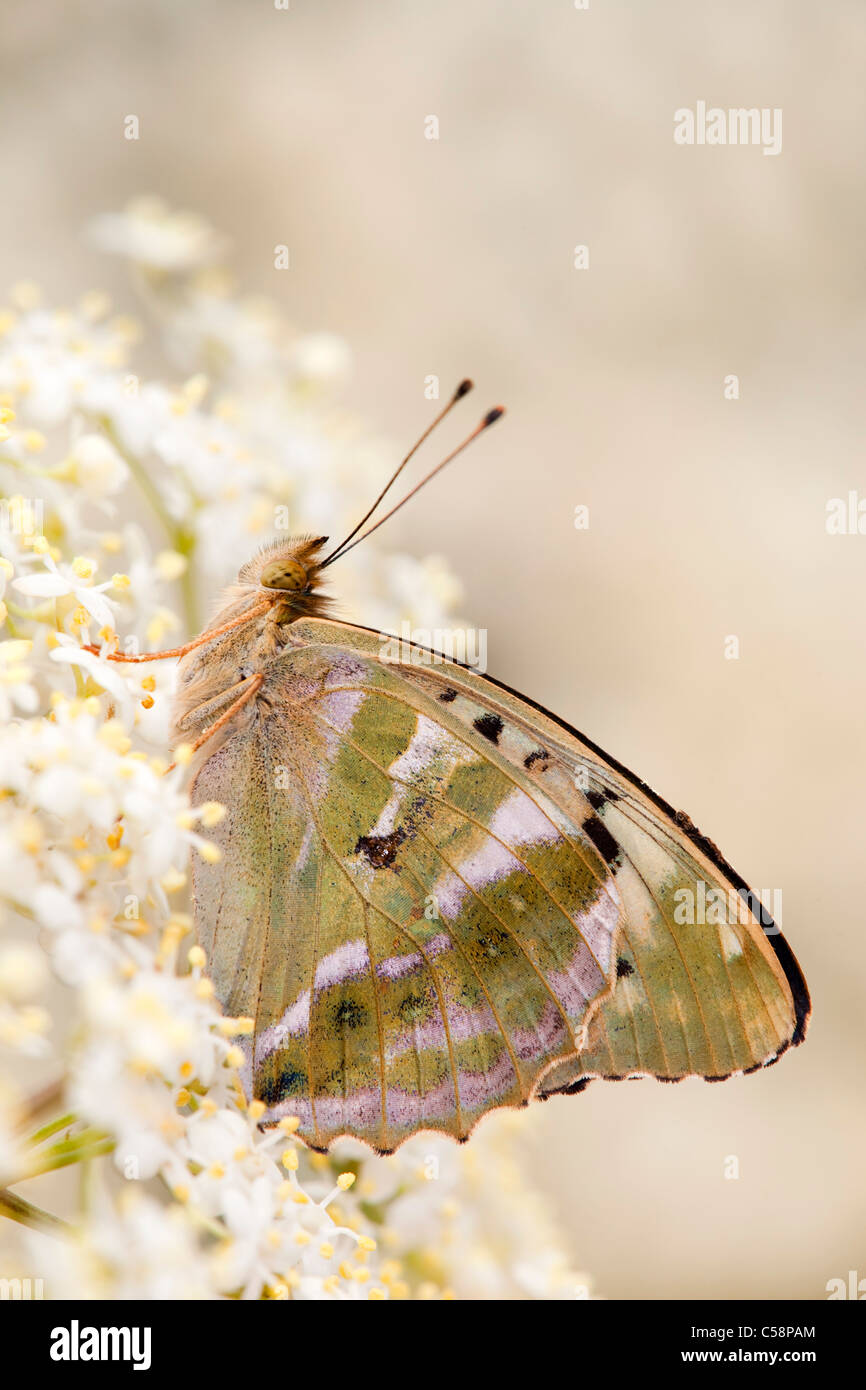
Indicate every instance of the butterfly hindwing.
{"type": "Point", "coordinates": [435, 899]}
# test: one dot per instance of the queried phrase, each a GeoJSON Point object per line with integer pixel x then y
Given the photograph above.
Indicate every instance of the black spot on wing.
{"type": "Point", "coordinates": [349, 1014]}
{"type": "Point", "coordinates": [380, 850]}
{"type": "Point", "coordinates": [414, 1008]}
{"type": "Point", "coordinates": [573, 1088]}
{"type": "Point", "coordinates": [623, 967]}
{"type": "Point", "coordinates": [276, 1082]}
{"type": "Point", "coordinates": [448, 695]}
{"type": "Point", "coordinates": [540, 755]}
{"type": "Point", "coordinates": [601, 837]}
{"type": "Point", "coordinates": [598, 800]}
{"type": "Point", "coordinates": [490, 725]}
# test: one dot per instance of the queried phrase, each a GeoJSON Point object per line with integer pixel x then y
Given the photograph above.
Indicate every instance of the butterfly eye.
{"type": "Point", "coordinates": [283, 574]}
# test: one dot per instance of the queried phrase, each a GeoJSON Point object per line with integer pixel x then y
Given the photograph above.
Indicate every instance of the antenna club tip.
{"type": "Point", "coordinates": [464, 388]}
{"type": "Point", "coordinates": [493, 415]}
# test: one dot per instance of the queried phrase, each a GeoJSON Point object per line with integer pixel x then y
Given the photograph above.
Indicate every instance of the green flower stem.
{"type": "Point", "coordinates": [27, 1214]}
{"type": "Point", "coordinates": [46, 1131]}
{"type": "Point", "coordinates": [42, 613]}
{"type": "Point", "coordinates": [90, 1143]}
{"type": "Point", "coordinates": [81, 1148]}
{"type": "Point", "coordinates": [78, 1141]}
{"type": "Point", "coordinates": [54, 1159]}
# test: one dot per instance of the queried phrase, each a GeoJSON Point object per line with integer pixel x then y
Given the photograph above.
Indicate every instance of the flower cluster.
{"type": "Point", "coordinates": [125, 503]}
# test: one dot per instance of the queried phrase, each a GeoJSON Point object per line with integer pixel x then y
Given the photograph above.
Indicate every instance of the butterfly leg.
{"type": "Point", "coordinates": [208, 636]}
{"type": "Point", "coordinates": [247, 687]}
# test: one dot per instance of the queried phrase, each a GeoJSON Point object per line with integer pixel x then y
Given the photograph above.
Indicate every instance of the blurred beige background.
{"type": "Point", "coordinates": [707, 515]}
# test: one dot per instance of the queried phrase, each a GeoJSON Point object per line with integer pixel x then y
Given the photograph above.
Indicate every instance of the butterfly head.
{"type": "Point", "coordinates": [288, 572]}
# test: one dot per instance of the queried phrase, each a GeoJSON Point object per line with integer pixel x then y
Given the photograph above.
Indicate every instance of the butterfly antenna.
{"type": "Point", "coordinates": [489, 419]}
{"type": "Point", "coordinates": [462, 390]}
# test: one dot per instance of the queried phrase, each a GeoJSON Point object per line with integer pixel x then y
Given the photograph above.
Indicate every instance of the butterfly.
{"type": "Point", "coordinates": [435, 898]}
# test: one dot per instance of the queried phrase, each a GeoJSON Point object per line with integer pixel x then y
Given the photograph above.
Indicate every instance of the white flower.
{"type": "Point", "coordinates": [132, 1247]}
{"type": "Point", "coordinates": [17, 691]}
{"type": "Point", "coordinates": [54, 584]}
{"type": "Point", "coordinates": [322, 357]}
{"type": "Point", "coordinates": [150, 234]}
{"type": "Point", "coordinates": [110, 677]}
{"type": "Point", "coordinates": [97, 466]}
{"type": "Point", "coordinates": [23, 972]}
{"type": "Point", "coordinates": [52, 362]}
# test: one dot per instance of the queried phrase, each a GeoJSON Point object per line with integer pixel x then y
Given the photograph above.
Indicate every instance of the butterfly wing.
{"type": "Point", "coordinates": [436, 899]}
{"type": "Point", "coordinates": [418, 934]}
